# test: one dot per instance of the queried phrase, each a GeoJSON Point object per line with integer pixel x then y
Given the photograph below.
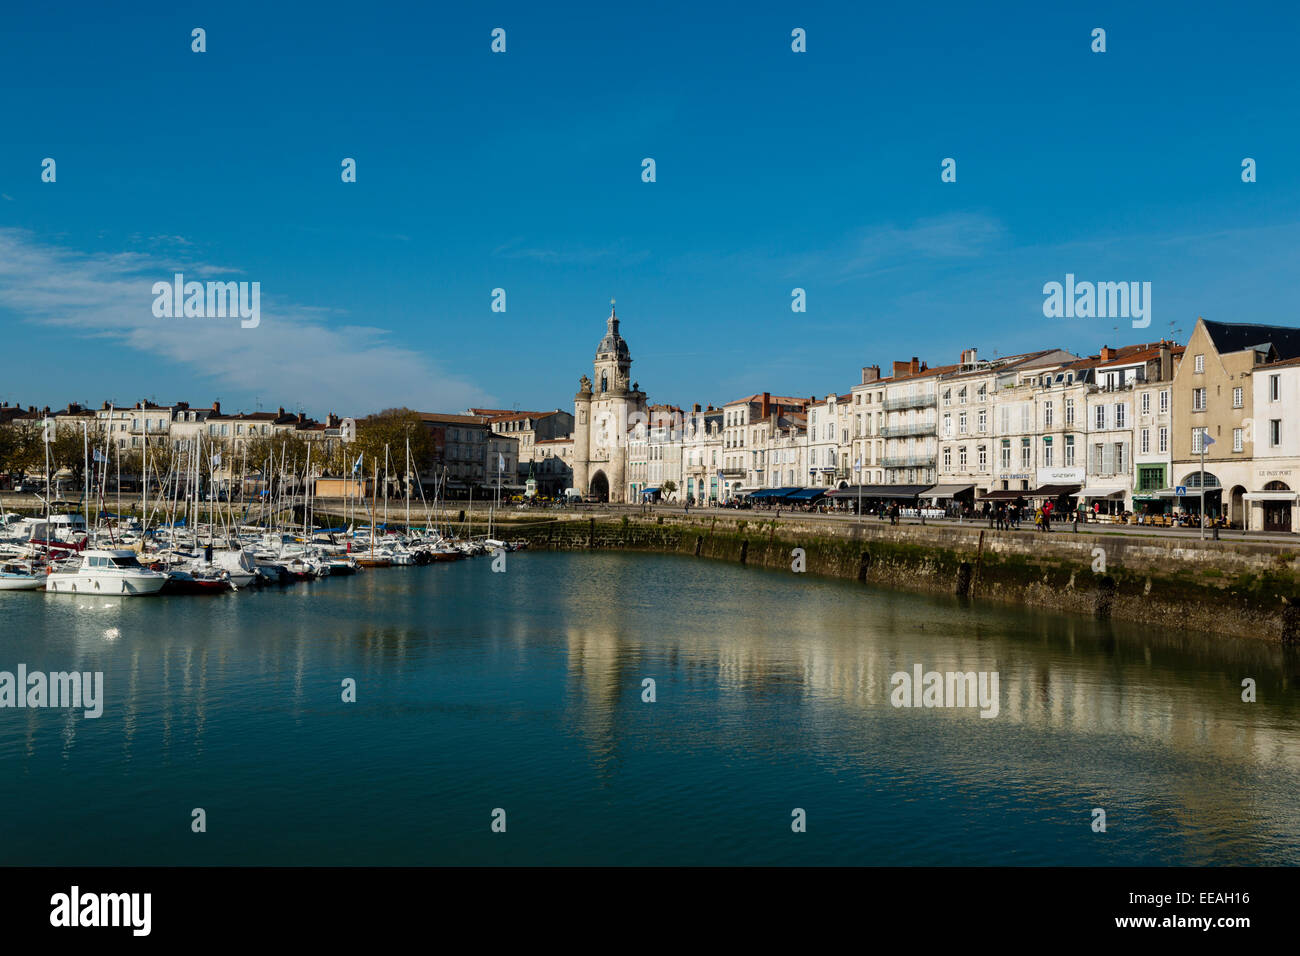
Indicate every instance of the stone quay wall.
{"type": "Point", "coordinates": [1240, 589]}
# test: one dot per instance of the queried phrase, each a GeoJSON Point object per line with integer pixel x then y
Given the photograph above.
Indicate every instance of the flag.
{"type": "Point", "coordinates": [1205, 437]}
{"type": "Point", "coordinates": [98, 456]}
{"type": "Point", "coordinates": [49, 431]}
{"type": "Point", "coordinates": [857, 465]}
{"type": "Point", "coordinates": [501, 462]}
{"type": "Point", "coordinates": [356, 467]}
{"type": "Point", "coordinates": [216, 460]}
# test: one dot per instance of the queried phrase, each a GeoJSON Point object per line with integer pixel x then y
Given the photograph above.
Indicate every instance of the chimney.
{"type": "Point", "coordinates": [1107, 353]}
{"type": "Point", "coordinates": [870, 374]}
{"type": "Point", "coordinates": [900, 368]}
{"type": "Point", "coordinates": [302, 417]}
{"type": "Point", "coordinates": [766, 408]}
{"type": "Point", "coordinates": [280, 411]}
{"type": "Point", "coordinates": [1166, 362]}
{"type": "Point", "coordinates": [696, 407]}
{"type": "Point", "coordinates": [216, 408]}
{"type": "Point", "coordinates": [968, 356]}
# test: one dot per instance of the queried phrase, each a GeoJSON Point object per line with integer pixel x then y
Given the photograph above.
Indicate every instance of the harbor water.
{"type": "Point", "coordinates": [526, 692]}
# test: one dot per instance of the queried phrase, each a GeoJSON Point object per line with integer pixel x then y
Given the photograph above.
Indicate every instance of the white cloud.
{"type": "Point", "coordinates": [297, 353]}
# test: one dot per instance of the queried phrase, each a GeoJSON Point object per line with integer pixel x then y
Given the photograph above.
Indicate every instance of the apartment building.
{"type": "Point", "coordinates": [702, 454]}
{"type": "Point", "coordinates": [469, 457]}
{"type": "Point", "coordinates": [982, 447]}
{"type": "Point", "coordinates": [867, 444]}
{"type": "Point", "coordinates": [830, 442]}
{"type": "Point", "coordinates": [739, 464]}
{"type": "Point", "coordinates": [1214, 394]}
{"type": "Point", "coordinates": [1273, 497]}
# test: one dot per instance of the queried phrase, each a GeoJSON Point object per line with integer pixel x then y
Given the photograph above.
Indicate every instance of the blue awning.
{"type": "Point", "coordinates": [772, 493]}
{"type": "Point", "coordinates": [649, 491]}
{"type": "Point", "coordinates": [804, 494]}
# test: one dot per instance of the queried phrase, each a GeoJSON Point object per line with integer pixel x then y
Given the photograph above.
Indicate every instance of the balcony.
{"type": "Point", "coordinates": [908, 461]}
{"type": "Point", "coordinates": [911, 401]}
{"type": "Point", "coordinates": [903, 431]}
{"type": "Point", "coordinates": [733, 472]}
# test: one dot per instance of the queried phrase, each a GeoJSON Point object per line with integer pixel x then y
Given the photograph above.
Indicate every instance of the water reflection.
{"type": "Point", "coordinates": [486, 680]}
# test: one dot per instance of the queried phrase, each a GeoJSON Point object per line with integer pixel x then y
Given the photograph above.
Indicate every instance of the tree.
{"type": "Point", "coordinates": [393, 427]}
{"type": "Point", "coordinates": [20, 447]}
{"type": "Point", "coordinates": [669, 487]}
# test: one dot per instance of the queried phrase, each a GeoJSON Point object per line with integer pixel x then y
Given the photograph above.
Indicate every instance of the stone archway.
{"type": "Point", "coordinates": [599, 486]}
{"type": "Point", "coordinates": [1237, 504]}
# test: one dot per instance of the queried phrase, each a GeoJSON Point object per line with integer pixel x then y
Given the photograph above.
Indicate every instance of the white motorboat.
{"type": "Point", "coordinates": [107, 573]}
{"type": "Point", "coordinates": [20, 577]}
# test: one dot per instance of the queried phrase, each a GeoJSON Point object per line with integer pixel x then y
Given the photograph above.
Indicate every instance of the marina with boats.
{"type": "Point", "coordinates": [183, 542]}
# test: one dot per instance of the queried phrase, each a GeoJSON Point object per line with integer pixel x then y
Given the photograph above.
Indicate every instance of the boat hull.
{"type": "Point", "coordinates": [126, 585]}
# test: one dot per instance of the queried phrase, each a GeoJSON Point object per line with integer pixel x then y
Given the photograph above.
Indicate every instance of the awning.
{"type": "Point", "coordinates": [649, 491]}
{"type": "Point", "coordinates": [1005, 494]}
{"type": "Point", "coordinates": [771, 493]}
{"type": "Point", "coordinates": [946, 491]}
{"type": "Point", "coordinates": [805, 494]}
{"type": "Point", "coordinates": [1269, 496]}
{"type": "Point", "coordinates": [1100, 492]}
{"type": "Point", "coordinates": [1053, 491]}
{"type": "Point", "coordinates": [880, 491]}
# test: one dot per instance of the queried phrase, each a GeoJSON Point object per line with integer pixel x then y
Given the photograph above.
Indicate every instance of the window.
{"type": "Point", "coordinates": [1200, 364]}
{"type": "Point", "coordinates": [1120, 410]}
{"type": "Point", "coordinates": [947, 424]}
{"type": "Point", "coordinates": [1275, 432]}
{"type": "Point", "coordinates": [1025, 452]}
{"type": "Point", "coordinates": [1164, 402]}
{"type": "Point", "coordinates": [1069, 411]}
{"type": "Point", "coordinates": [983, 394]}
{"type": "Point", "coordinates": [1006, 454]}
{"type": "Point", "coordinates": [1237, 436]}
{"type": "Point", "coordinates": [1047, 414]}
{"type": "Point", "coordinates": [1274, 387]}
{"type": "Point", "coordinates": [961, 395]}
{"type": "Point", "coordinates": [1146, 403]}
{"type": "Point", "coordinates": [1121, 458]}
{"type": "Point", "coordinates": [983, 458]}
{"type": "Point", "coordinates": [1163, 437]}
{"type": "Point", "coordinates": [1100, 418]}
{"type": "Point", "coordinates": [1144, 441]}
{"type": "Point", "coordinates": [1069, 451]}
{"type": "Point", "coordinates": [1196, 440]}
{"type": "Point", "coordinates": [1047, 453]}
{"type": "Point", "coordinates": [983, 420]}
{"type": "Point", "coordinates": [1198, 399]}
{"type": "Point", "coordinates": [947, 458]}
{"type": "Point", "coordinates": [961, 423]}
{"type": "Point", "coordinates": [961, 457]}
{"type": "Point", "coordinates": [947, 397]}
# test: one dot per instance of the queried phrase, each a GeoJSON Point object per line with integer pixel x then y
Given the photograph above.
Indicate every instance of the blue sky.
{"type": "Point", "coordinates": [522, 171]}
